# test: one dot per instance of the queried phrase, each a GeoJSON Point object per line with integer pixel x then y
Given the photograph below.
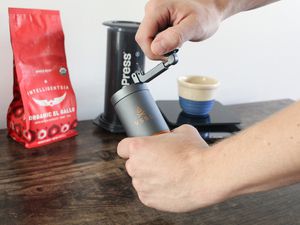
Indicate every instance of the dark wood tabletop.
{"type": "Point", "coordinates": [83, 181]}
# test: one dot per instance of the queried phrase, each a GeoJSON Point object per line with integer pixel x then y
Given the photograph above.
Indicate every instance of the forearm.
{"type": "Point", "coordinates": [231, 7]}
{"type": "Point", "coordinates": [263, 157]}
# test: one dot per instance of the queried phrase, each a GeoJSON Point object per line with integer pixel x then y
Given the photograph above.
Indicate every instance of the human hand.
{"type": "Point", "coordinates": [167, 169]}
{"type": "Point", "coordinates": [167, 24]}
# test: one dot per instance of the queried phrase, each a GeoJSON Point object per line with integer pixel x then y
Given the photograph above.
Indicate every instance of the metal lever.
{"type": "Point", "coordinates": [141, 77]}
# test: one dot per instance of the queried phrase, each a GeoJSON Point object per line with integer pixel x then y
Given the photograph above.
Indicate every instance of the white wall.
{"type": "Point", "coordinates": [255, 54]}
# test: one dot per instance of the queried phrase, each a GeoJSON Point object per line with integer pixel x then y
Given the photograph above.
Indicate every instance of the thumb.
{"type": "Point", "coordinates": [173, 37]}
{"type": "Point", "coordinates": [192, 133]}
{"type": "Point", "coordinates": [186, 129]}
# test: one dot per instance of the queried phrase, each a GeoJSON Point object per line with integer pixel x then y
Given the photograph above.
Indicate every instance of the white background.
{"type": "Point", "coordinates": [255, 54]}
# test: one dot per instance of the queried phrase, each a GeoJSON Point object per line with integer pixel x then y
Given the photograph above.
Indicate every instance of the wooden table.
{"type": "Point", "coordinates": [83, 181]}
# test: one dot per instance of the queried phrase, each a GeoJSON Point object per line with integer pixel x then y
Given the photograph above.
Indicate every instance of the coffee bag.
{"type": "Point", "coordinates": [44, 108]}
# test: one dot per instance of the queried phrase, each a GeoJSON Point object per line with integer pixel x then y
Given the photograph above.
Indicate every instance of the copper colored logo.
{"type": "Point", "coordinates": [142, 116]}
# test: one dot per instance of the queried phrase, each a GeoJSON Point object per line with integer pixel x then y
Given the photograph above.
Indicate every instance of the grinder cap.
{"type": "Point", "coordinates": [126, 91]}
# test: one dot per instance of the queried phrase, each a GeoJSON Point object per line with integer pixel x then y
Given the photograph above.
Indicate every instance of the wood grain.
{"type": "Point", "coordinates": [83, 181]}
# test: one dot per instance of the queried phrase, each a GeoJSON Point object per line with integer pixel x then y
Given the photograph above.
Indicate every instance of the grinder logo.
{"type": "Point", "coordinates": [142, 116]}
{"type": "Point", "coordinates": [51, 102]}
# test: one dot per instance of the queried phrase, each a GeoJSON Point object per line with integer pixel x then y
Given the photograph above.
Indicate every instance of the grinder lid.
{"type": "Point", "coordinates": [126, 91]}
{"type": "Point", "coordinates": [122, 25]}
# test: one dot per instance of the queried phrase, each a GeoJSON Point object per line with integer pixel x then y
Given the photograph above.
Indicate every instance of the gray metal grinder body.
{"type": "Point", "coordinates": [138, 111]}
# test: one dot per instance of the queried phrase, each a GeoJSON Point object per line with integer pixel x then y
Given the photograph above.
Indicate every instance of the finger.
{"type": "Point", "coordinates": [148, 29]}
{"type": "Point", "coordinates": [129, 146]}
{"type": "Point", "coordinates": [129, 168]}
{"type": "Point", "coordinates": [123, 148]}
{"type": "Point", "coordinates": [142, 185]}
{"type": "Point", "coordinates": [137, 184]}
{"type": "Point", "coordinates": [144, 38]}
{"type": "Point", "coordinates": [173, 37]}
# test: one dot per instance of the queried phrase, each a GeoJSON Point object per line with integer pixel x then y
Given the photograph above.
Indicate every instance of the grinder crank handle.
{"type": "Point", "coordinates": [141, 77]}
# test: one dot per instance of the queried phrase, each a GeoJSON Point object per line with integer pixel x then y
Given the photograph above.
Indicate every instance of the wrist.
{"type": "Point", "coordinates": [231, 7]}
{"type": "Point", "coordinates": [213, 184]}
{"type": "Point", "coordinates": [226, 8]}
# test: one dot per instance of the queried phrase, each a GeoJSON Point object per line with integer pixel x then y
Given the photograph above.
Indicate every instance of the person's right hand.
{"type": "Point", "coordinates": [169, 23]}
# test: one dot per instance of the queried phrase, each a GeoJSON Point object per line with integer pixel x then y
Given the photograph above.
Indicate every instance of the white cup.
{"type": "Point", "coordinates": [197, 94]}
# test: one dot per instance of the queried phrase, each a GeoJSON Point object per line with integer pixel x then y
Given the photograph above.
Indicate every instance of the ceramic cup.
{"type": "Point", "coordinates": [197, 94]}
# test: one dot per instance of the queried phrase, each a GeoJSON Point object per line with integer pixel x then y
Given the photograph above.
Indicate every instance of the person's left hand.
{"type": "Point", "coordinates": [165, 169]}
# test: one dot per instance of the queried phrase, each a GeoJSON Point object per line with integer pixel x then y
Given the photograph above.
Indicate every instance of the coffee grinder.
{"type": "Point", "coordinates": [135, 106]}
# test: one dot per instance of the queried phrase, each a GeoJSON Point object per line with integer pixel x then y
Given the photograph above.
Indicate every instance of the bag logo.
{"type": "Point", "coordinates": [63, 71]}
{"type": "Point", "coordinates": [52, 102]}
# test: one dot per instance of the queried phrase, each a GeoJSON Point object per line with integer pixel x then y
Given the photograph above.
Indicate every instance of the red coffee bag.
{"type": "Point", "coordinates": [43, 109]}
